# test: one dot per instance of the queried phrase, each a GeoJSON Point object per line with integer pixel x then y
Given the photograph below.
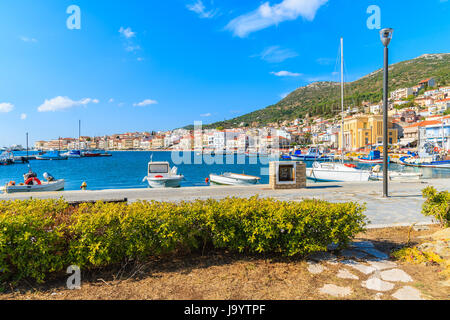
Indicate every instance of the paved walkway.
{"type": "Point", "coordinates": [402, 208]}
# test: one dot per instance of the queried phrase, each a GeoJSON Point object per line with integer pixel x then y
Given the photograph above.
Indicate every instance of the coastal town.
{"type": "Point", "coordinates": [417, 115]}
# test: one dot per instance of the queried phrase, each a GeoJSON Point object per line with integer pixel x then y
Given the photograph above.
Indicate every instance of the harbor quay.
{"type": "Point", "coordinates": [402, 208]}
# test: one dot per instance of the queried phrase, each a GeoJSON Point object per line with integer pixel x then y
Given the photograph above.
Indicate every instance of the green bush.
{"type": "Point", "coordinates": [437, 205]}
{"type": "Point", "coordinates": [40, 237]}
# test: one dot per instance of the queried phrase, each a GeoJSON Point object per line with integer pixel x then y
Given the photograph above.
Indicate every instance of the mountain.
{"type": "Point", "coordinates": [323, 98]}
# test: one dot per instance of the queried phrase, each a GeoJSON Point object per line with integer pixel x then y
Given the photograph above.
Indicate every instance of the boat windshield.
{"type": "Point", "coordinates": [158, 168]}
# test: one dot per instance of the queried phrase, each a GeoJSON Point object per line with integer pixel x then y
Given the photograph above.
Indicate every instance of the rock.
{"type": "Point", "coordinates": [322, 256]}
{"type": "Point", "coordinates": [395, 275]}
{"type": "Point", "coordinates": [359, 266]}
{"type": "Point", "coordinates": [361, 244]}
{"type": "Point", "coordinates": [408, 293]}
{"type": "Point", "coordinates": [378, 296]}
{"type": "Point", "coordinates": [315, 268]}
{"type": "Point", "coordinates": [353, 254]}
{"type": "Point", "coordinates": [383, 264]}
{"type": "Point", "coordinates": [376, 253]}
{"type": "Point", "coordinates": [441, 235]}
{"type": "Point", "coordinates": [335, 291]}
{"type": "Point", "coordinates": [421, 228]}
{"type": "Point", "coordinates": [345, 274]}
{"type": "Point", "coordinates": [377, 284]}
{"type": "Point", "coordinates": [425, 246]}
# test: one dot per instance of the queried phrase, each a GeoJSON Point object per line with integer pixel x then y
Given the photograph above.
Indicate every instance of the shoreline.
{"type": "Point", "coordinates": [403, 207]}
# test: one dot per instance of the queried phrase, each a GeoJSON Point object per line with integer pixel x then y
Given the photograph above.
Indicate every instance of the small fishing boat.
{"type": "Point", "coordinates": [160, 175]}
{"type": "Point", "coordinates": [51, 155]}
{"type": "Point", "coordinates": [6, 158]}
{"type": "Point", "coordinates": [429, 162]}
{"type": "Point", "coordinates": [374, 157]}
{"type": "Point", "coordinates": [233, 179]}
{"type": "Point", "coordinates": [33, 184]}
{"type": "Point", "coordinates": [430, 156]}
{"type": "Point", "coordinates": [313, 154]}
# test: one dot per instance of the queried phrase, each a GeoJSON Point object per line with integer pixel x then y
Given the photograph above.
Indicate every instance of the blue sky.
{"type": "Point", "coordinates": [155, 65]}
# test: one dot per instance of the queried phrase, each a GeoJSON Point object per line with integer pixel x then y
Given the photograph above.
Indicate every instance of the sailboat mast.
{"type": "Point", "coordinates": [79, 134]}
{"type": "Point", "coordinates": [342, 97]}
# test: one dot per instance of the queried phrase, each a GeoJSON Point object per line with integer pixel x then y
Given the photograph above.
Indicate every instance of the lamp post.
{"type": "Point", "coordinates": [386, 37]}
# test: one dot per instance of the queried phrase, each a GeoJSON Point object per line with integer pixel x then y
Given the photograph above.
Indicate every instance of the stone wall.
{"type": "Point", "coordinates": [300, 175]}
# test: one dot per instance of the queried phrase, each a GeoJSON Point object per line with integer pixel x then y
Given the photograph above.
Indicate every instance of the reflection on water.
{"type": "Point", "coordinates": [127, 169]}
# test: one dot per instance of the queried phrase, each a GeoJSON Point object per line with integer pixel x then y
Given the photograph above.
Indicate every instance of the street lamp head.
{"type": "Point", "coordinates": [386, 36]}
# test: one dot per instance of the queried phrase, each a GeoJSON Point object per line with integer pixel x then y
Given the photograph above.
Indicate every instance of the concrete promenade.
{"type": "Point", "coordinates": [402, 208]}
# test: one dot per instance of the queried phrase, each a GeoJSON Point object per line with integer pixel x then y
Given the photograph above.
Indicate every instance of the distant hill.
{"type": "Point", "coordinates": [323, 98]}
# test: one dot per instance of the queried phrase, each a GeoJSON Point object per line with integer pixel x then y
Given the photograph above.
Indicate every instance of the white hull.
{"type": "Point", "coordinates": [165, 182]}
{"type": "Point", "coordinates": [44, 187]}
{"type": "Point", "coordinates": [336, 172]}
{"type": "Point", "coordinates": [233, 179]}
{"type": "Point", "coordinates": [398, 176]}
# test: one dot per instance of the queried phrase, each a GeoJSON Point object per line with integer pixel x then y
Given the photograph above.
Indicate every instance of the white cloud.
{"type": "Point", "coordinates": [266, 15]}
{"type": "Point", "coordinates": [275, 54]}
{"type": "Point", "coordinates": [6, 107]}
{"type": "Point", "coordinates": [63, 103]}
{"type": "Point", "coordinates": [146, 102]}
{"type": "Point", "coordinates": [199, 8]}
{"type": "Point", "coordinates": [286, 74]}
{"type": "Point", "coordinates": [23, 116]}
{"type": "Point", "coordinates": [205, 115]}
{"type": "Point", "coordinates": [132, 48]}
{"type": "Point", "coordinates": [111, 100]}
{"type": "Point", "coordinates": [127, 33]}
{"type": "Point", "coordinates": [26, 39]}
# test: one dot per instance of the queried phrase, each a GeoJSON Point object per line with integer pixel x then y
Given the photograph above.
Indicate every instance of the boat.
{"type": "Point", "coordinates": [338, 172]}
{"type": "Point", "coordinates": [160, 175]}
{"type": "Point", "coordinates": [233, 179]}
{"type": "Point", "coordinates": [33, 184]}
{"type": "Point", "coordinates": [6, 158]}
{"type": "Point", "coordinates": [72, 154]}
{"type": "Point", "coordinates": [428, 157]}
{"type": "Point", "coordinates": [51, 155]}
{"type": "Point", "coordinates": [374, 157]}
{"type": "Point", "coordinates": [313, 154]}
{"type": "Point", "coordinates": [90, 154]}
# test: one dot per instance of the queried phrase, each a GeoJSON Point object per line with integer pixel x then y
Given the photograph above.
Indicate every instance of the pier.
{"type": "Point", "coordinates": [402, 208]}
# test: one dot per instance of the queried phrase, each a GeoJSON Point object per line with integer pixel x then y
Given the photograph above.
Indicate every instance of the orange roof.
{"type": "Point", "coordinates": [424, 123]}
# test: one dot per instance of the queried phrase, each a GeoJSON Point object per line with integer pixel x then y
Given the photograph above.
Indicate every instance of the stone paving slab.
{"type": "Point", "coordinates": [402, 208]}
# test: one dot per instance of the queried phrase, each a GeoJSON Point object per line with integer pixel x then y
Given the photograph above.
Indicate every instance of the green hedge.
{"type": "Point", "coordinates": [437, 205]}
{"type": "Point", "coordinates": [40, 237]}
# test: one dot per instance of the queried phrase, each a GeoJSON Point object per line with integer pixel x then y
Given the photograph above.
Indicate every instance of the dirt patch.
{"type": "Point", "coordinates": [224, 275]}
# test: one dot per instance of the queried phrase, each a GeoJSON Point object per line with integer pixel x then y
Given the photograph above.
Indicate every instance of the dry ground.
{"type": "Point", "coordinates": [223, 275]}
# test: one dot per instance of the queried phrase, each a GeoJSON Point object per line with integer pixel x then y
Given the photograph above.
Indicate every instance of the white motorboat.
{"type": "Point", "coordinates": [337, 172]}
{"type": "Point", "coordinates": [56, 185]}
{"type": "Point", "coordinates": [160, 175]}
{"type": "Point", "coordinates": [233, 179]}
{"type": "Point", "coordinates": [33, 184]}
{"type": "Point", "coordinates": [397, 176]}
{"type": "Point", "coordinates": [377, 175]}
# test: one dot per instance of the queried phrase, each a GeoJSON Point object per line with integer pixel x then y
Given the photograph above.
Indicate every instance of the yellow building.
{"type": "Point", "coordinates": [361, 131]}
